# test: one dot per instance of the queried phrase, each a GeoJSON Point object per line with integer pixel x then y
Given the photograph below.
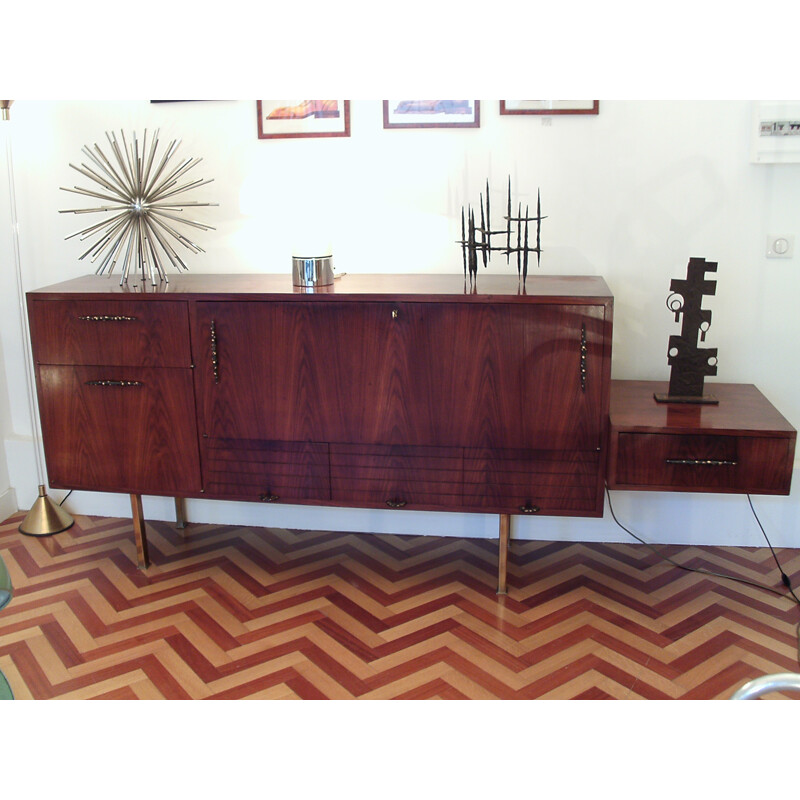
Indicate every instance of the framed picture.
{"type": "Point", "coordinates": [303, 119]}
{"type": "Point", "coordinates": [549, 106]}
{"type": "Point", "coordinates": [431, 114]}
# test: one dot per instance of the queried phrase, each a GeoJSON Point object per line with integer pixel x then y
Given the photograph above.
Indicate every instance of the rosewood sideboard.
{"type": "Point", "coordinates": [400, 392]}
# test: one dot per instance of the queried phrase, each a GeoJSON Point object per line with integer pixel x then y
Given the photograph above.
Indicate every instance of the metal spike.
{"type": "Point", "coordinates": [525, 250]}
{"type": "Point", "coordinates": [508, 225]}
{"type": "Point", "coordinates": [141, 203]}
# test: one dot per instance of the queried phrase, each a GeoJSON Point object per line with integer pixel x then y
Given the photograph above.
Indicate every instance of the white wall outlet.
{"type": "Point", "coordinates": [780, 246]}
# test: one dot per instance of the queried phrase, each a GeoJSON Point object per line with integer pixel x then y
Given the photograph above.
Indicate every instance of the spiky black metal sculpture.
{"type": "Point", "coordinates": [478, 239]}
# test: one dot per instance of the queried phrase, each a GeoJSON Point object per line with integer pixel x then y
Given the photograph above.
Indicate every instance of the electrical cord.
{"type": "Point", "coordinates": [784, 577]}
{"type": "Point", "coordinates": [63, 499]}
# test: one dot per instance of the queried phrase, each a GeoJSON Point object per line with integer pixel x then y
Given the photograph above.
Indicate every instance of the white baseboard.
{"type": "Point", "coordinates": [656, 517]}
{"type": "Point", "coordinates": [8, 504]}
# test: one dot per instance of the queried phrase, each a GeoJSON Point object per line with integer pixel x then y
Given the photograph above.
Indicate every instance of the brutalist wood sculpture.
{"type": "Point", "coordinates": [690, 363]}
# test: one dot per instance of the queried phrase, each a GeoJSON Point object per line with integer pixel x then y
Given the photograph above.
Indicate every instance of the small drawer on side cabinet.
{"type": "Point", "coordinates": [703, 463]}
{"type": "Point", "coordinates": [140, 333]}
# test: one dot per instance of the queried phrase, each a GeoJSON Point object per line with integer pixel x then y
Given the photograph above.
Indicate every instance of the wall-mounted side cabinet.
{"type": "Point", "coordinates": [742, 445]}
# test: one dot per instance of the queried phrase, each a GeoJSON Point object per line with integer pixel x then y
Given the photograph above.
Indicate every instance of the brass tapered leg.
{"type": "Point", "coordinates": [502, 559]}
{"type": "Point", "coordinates": [139, 532]}
{"type": "Point", "coordinates": [180, 513]}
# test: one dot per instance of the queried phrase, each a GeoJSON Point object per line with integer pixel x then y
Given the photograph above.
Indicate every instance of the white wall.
{"type": "Point", "coordinates": [630, 194]}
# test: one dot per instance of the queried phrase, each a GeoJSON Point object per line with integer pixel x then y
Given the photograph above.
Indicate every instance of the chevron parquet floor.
{"type": "Point", "coordinates": [234, 612]}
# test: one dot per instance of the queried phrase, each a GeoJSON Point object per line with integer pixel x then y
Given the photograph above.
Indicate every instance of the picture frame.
{"type": "Point", "coordinates": [431, 114]}
{"type": "Point", "coordinates": [303, 119]}
{"type": "Point", "coordinates": [547, 107]}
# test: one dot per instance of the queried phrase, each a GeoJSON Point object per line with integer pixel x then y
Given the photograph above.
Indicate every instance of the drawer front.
{"type": "Point", "coordinates": [529, 482]}
{"type": "Point", "coordinates": [269, 471]}
{"type": "Point", "coordinates": [135, 333]}
{"type": "Point", "coordinates": [119, 429]}
{"type": "Point", "coordinates": [703, 463]}
{"type": "Point", "coordinates": [396, 476]}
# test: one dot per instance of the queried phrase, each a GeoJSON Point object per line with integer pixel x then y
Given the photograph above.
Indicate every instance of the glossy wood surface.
{"type": "Point", "coordinates": [133, 332]}
{"type": "Point", "coordinates": [385, 391]}
{"type": "Point", "coordinates": [742, 409]}
{"type": "Point", "coordinates": [383, 373]}
{"type": "Point", "coordinates": [489, 287]}
{"type": "Point", "coordinates": [139, 437]}
{"type": "Point", "coordinates": [266, 471]}
{"type": "Point", "coordinates": [412, 374]}
{"type": "Point", "coordinates": [742, 445]}
{"type": "Point", "coordinates": [229, 612]}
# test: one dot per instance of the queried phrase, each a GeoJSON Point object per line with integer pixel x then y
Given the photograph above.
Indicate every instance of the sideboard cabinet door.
{"type": "Point", "coordinates": [128, 429]}
{"type": "Point", "coordinates": [422, 374]}
{"type": "Point", "coordinates": [564, 378]}
{"type": "Point", "coordinates": [302, 371]}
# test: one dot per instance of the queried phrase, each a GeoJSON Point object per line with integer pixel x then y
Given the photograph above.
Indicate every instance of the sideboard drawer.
{"type": "Point", "coordinates": [397, 476]}
{"type": "Point", "coordinates": [136, 333]}
{"type": "Point", "coordinates": [532, 481]}
{"type": "Point", "coordinates": [704, 463]}
{"type": "Point", "coordinates": [269, 471]}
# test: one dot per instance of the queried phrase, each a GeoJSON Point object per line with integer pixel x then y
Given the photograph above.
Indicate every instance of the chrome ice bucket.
{"type": "Point", "coordinates": [311, 272]}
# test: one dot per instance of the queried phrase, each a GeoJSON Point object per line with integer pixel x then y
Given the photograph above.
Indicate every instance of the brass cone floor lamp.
{"type": "Point", "coordinates": [45, 517]}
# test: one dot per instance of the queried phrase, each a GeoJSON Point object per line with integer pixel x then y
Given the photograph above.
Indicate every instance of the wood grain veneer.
{"type": "Point", "coordinates": [398, 391]}
{"type": "Point", "coordinates": [741, 445]}
{"type": "Point", "coordinates": [490, 287]}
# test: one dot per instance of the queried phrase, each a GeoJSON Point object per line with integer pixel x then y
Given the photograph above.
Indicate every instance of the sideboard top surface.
{"type": "Point", "coordinates": [396, 287]}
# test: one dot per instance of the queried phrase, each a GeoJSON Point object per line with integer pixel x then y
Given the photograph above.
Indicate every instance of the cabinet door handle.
{"type": "Point", "coordinates": [106, 318]}
{"type": "Point", "coordinates": [529, 508]}
{"type": "Point", "coordinates": [584, 351]}
{"type": "Point", "coordinates": [701, 462]}
{"type": "Point", "coordinates": [123, 384]}
{"type": "Point", "coordinates": [395, 313]}
{"type": "Point", "coordinates": [214, 353]}
{"type": "Point", "coordinates": [395, 503]}
{"type": "Point", "coordinates": [268, 497]}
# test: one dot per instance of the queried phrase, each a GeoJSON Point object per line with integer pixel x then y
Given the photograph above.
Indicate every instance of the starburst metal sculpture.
{"type": "Point", "coordinates": [141, 201]}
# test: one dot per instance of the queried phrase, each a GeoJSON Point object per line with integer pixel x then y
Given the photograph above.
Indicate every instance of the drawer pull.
{"type": "Point", "coordinates": [268, 497]}
{"type": "Point", "coordinates": [395, 313]}
{"type": "Point", "coordinates": [124, 384]}
{"type": "Point", "coordinates": [396, 503]}
{"type": "Point", "coordinates": [107, 318]}
{"type": "Point", "coordinates": [529, 508]}
{"type": "Point", "coordinates": [214, 354]}
{"type": "Point", "coordinates": [701, 462]}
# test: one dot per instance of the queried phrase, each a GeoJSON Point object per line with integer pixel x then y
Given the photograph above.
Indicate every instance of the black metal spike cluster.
{"type": "Point", "coordinates": [478, 239]}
